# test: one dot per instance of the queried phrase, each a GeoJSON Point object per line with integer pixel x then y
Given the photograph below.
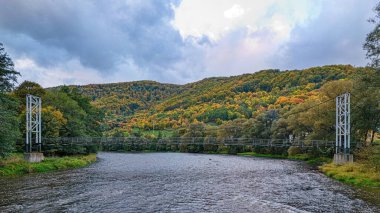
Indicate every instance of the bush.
{"type": "Point", "coordinates": [292, 151]}
{"type": "Point", "coordinates": [369, 155]}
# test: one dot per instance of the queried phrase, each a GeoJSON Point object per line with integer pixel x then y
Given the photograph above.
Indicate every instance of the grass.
{"type": "Point", "coordinates": [16, 165]}
{"type": "Point", "coordinates": [254, 154]}
{"type": "Point", "coordinates": [353, 173]}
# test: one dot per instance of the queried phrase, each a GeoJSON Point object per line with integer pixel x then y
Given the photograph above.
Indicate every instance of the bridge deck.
{"type": "Point", "coordinates": [105, 141]}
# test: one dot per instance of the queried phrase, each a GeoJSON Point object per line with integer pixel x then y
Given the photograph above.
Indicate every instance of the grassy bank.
{"type": "Point", "coordinates": [358, 174]}
{"type": "Point", "coordinates": [16, 165]}
{"type": "Point", "coordinates": [353, 173]}
{"type": "Point", "coordinates": [365, 171]}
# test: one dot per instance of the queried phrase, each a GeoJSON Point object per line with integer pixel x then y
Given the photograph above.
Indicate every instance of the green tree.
{"type": "Point", "coordinates": [372, 42]}
{"type": "Point", "coordinates": [368, 86]}
{"type": "Point", "coordinates": [232, 128]}
{"type": "Point", "coordinates": [9, 131]}
{"type": "Point", "coordinates": [27, 88]}
{"type": "Point", "coordinates": [93, 116]}
{"type": "Point", "coordinates": [261, 126]}
{"type": "Point", "coordinates": [365, 108]}
{"type": "Point", "coordinates": [8, 75]}
{"type": "Point", "coordinates": [72, 112]}
{"type": "Point", "coordinates": [280, 129]}
{"type": "Point", "coordinates": [195, 130]}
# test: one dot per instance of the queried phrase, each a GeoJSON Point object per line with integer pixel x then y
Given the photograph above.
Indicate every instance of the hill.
{"type": "Point", "coordinates": [148, 105]}
{"type": "Point", "coordinates": [122, 100]}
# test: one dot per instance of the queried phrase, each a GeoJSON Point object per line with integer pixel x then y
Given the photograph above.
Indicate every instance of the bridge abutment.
{"type": "Point", "coordinates": [34, 157]}
{"type": "Point", "coordinates": [341, 158]}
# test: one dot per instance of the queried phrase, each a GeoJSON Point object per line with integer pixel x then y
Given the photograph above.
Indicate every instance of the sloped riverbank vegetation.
{"type": "Point", "coordinates": [365, 171]}
{"type": "Point", "coordinates": [15, 164]}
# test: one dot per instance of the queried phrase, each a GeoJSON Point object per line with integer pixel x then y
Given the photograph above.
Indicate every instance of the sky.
{"type": "Point", "coordinates": [55, 42]}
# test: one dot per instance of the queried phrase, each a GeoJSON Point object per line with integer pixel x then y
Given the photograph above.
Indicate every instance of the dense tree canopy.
{"type": "Point", "coordinates": [9, 122]}
{"type": "Point", "coordinates": [8, 75]}
{"type": "Point", "coordinates": [9, 131]}
{"type": "Point", "coordinates": [372, 42]}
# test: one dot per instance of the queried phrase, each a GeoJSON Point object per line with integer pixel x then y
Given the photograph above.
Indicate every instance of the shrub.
{"type": "Point", "coordinates": [292, 151]}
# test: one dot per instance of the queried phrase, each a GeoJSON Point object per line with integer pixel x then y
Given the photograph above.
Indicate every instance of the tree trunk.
{"type": "Point", "coordinates": [372, 136]}
{"type": "Point", "coordinates": [365, 138]}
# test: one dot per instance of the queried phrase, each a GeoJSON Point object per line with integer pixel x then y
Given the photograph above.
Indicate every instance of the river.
{"type": "Point", "coordinates": [181, 182]}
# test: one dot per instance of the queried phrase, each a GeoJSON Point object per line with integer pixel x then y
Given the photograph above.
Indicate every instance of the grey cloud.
{"type": "Point", "coordinates": [334, 37]}
{"type": "Point", "coordinates": [134, 38]}
{"type": "Point", "coordinates": [101, 34]}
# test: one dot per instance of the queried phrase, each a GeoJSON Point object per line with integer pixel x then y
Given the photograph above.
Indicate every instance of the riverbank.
{"type": "Point", "coordinates": [365, 171]}
{"type": "Point", "coordinates": [16, 165]}
{"type": "Point", "coordinates": [358, 174]}
{"type": "Point", "coordinates": [353, 173]}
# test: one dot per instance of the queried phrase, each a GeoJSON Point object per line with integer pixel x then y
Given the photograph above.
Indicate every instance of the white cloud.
{"type": "Point", "coordinates": [71, 72]}
{"type": "Point", "coordinates": [235, 11]}
{"type": "Point", "coordinates": [205, 17]}
{"type": "Point", "coordinates": [246, 35]}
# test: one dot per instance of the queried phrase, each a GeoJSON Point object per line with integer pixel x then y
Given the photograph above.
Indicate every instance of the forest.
{"type": "Point", "coordinates": [65, 112]}
{"type": "Point", "coordinates": [266, 104]}
{"type": "Point", "coordinates": [269, 104]}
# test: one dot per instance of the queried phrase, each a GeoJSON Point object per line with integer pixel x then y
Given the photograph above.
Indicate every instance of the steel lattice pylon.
{"type": "Point", "coordinates": [33, 123]}
{"type": "Point", "coordinates": [343, 127]}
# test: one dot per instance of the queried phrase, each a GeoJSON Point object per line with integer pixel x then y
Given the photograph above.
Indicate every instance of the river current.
{"type": "Point", "coordinates": [181, 182]}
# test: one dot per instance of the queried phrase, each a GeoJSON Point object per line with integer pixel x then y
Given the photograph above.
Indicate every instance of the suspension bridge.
{"type": "Point", "coordinates": [342, 144]}
{"type": "Point", "coordinates": [199, 141]}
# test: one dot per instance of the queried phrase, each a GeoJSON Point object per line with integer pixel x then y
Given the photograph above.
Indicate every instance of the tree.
{"type": "Point", "coordinates": [195, 130]}
{"type": "Point", "coordinates": [8, 75]}
{"type": "Point", "coordinates": [366, 108]}
{"type": "Point", "coordinates": [315, 118]}
{"type": "Point", "coordinates": [260, 127]}
{"type": "Point", "coordinates": [232, 128]}
{"type": "Point", "coordinates": [368, 86]}
{"type": "Point", "coordinates": [93, 115]}
{"type": "Point", "coordinates": [372, 42]}
{"type": "Point", "coordinates": [53, 122]}
{"type": "Point", "coordinates": [27, 88]}
{"type": "Point", "coordinates": [72, 112]}
{"type": "Point", "coordinates": [9, 131]}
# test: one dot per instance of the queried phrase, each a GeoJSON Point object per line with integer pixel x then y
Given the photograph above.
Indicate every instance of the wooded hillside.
{"type": "Point", "coordinates": [147, 105]}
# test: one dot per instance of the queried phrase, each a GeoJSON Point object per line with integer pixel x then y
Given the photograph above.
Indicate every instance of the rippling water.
{"type": "Point", "coordinates": [179, 182]}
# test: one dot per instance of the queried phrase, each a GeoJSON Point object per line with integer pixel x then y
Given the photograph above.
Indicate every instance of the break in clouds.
{"type": "Point", "coordinates": [81, 42]}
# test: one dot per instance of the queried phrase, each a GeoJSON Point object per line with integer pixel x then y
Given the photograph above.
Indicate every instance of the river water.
{"type": "Point", "coordinates": [180, 182]}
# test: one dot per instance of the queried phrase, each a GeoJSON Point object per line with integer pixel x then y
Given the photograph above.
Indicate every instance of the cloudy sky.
{"type": "Point", "coordinates": [56, 42]}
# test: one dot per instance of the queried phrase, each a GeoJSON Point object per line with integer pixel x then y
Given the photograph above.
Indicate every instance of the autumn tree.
{"type": "Point", "coordinates": [53, 122]}
{"type": "Point", "coordinates": [315, 118]}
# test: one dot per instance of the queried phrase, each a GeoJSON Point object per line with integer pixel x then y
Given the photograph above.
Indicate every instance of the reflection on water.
{"type": "Point", "coordinates": [178, 182]}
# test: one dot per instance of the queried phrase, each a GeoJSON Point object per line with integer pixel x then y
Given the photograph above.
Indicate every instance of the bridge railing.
{"type": "Point", "coordinates": [100, 141]}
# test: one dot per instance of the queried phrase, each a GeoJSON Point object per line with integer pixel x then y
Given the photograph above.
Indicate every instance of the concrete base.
{"type": "Point", "coordinates": [34, 157]}
{"type": "Point", "coordinates": [343, 158]}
